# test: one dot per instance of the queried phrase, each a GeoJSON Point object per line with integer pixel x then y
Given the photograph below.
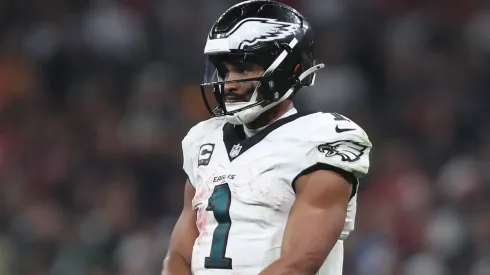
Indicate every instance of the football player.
{"type": "Point", "coordinates": [270, 190]}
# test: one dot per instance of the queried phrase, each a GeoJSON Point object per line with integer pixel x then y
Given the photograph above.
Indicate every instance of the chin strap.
{"type": "Point", "coordinates": [293, 89]}
{"type": "Point", "coordinates": [310, 71]}
{"type": "Point", "coordinates": [302, 76]}
{"type": "Point", "coordinates": [290, 92]}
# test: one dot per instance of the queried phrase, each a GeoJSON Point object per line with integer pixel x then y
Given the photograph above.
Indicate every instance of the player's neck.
{"type": "Point", "coordinates": [270, 115]}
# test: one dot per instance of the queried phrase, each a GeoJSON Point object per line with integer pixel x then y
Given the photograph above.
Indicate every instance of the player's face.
{"type": "Point", "coordinates": [241, 91]}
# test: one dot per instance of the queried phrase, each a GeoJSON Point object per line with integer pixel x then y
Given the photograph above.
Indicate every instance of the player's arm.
{"type": "Point", "coordinates": [315, 223]}
{"type": "Point", "coordinates": [178, 260]}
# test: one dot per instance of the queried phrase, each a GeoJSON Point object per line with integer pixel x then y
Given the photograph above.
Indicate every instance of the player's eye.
{"type": "Point", "coordinates": [223, 71]}
{"type": "Point", "coordinates": [246, 67]}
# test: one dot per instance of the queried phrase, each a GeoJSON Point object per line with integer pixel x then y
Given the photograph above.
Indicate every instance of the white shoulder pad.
{"type": "Point", "coordinates": [192, 140]}
{"type": "Point", "coordinates": [337, 142]}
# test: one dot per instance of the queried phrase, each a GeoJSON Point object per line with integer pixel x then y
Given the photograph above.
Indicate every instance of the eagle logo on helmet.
{"type": "Point", "coordinates": [252, 30]}
{"type": "Point", "coordinates": [348, 150]}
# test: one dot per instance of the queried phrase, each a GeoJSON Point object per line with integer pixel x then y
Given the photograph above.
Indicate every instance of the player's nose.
{"type": "Point", "coordinates": [232, 86]}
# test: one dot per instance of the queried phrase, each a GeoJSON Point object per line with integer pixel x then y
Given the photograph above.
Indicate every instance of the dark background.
{"type": "Point", "coordinates": [95, 97]}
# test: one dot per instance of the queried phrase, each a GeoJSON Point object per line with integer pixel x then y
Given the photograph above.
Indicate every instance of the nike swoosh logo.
{"type": "Point", "coordinates": [338, 130]}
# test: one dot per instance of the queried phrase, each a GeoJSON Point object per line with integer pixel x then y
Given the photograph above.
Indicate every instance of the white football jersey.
{"type": "Point", "coordinates": [245, 187]}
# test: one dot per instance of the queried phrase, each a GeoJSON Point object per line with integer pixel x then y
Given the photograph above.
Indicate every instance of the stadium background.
{"type": "Point", "coordinates": [95, 97]}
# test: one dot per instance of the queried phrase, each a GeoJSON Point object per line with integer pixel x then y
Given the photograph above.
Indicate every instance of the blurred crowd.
{"type": "Point", "coordinates": [95, 97]}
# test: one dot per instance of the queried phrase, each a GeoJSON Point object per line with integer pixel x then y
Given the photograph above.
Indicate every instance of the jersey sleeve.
{"type": "Point", "coordinates": [190, 150]}
{"type": "Point", "coordinates": [197, 153]}
{"type": "Point", "coordinates": [188, 158]}
{"type": "Point", "coordinates": [342, 147]}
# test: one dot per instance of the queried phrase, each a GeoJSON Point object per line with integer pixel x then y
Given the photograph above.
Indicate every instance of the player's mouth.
{"type": "Point", "coordinates": [237, 98]}
{"type": "Point", "coordinates": [233, 99]}
{"type": "Point", "coordinates": [232, 96]}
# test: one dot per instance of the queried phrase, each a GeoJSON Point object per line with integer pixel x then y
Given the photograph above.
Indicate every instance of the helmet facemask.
{"type": "Point", "coordinates": [277, 83]}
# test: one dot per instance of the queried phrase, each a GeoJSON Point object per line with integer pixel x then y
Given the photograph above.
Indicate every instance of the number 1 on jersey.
{"type": "Point", "coordinates": [219, 203]}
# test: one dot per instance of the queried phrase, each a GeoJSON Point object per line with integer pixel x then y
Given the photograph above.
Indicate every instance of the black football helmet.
{"type": "Point", "coordinates": [270, 34]}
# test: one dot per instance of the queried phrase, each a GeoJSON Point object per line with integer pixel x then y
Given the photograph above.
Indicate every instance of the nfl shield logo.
{"type": "Point", "coordinates": [235, 150]}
